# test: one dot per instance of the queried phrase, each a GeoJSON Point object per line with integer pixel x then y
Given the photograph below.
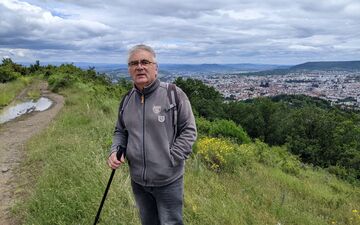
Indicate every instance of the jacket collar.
{"type": "Point", "coordinates": [150, 88]}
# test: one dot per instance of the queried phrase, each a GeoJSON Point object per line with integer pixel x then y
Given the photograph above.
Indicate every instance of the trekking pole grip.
{"type": "Point", "coordinates": [121, 151]}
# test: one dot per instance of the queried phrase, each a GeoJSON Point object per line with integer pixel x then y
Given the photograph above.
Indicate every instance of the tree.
{"type": "Point", "coordinates": [35, 67]}
{"type": "Point", "coordinates": [8, 70]}
{"type": "Point", "coordinates": [205, 100]}
{"type": "Point", "coordinates": [7, 62]}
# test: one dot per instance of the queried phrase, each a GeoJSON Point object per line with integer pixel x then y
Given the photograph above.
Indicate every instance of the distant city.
{"type": "Point", "coordinates": [338, 87]}
{"type": "Point", "coordinates": [337, 82]}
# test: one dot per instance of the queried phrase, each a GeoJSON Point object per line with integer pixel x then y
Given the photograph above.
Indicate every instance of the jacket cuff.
{"type": "Point", "coordinates": [112, 151]}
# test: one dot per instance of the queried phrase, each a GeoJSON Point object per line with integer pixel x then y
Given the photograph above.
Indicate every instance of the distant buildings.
{"type": "Point", "coordinates": [338, 87]}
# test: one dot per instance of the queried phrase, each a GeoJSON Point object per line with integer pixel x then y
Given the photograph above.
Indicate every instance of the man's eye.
{"type": "Point", "coordinates": [134, 63]}
{"type": "Point", "coordinates": [145, 62]}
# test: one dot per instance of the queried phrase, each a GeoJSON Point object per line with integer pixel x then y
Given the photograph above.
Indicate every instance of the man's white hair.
{"type": "Point", "coordinates": [141, 47]}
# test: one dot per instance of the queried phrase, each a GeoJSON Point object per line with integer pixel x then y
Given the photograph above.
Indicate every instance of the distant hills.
{"type": "Point", "coordinates": [168, 70]}
{"type": "Point", "coordinates": [115, 71]}
{"type": "Point", "coordinates": [312, 66]}
{"type": "Point", "coordinates": [218, 68]}
{"type": "Point", "coordinates": [241, 68]}
{"type": "Point", "coordinates": [328, 65]}
{"type": "Point", "coordinates": [183, 69]}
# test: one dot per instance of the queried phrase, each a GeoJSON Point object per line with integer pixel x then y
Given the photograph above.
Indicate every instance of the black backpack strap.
{"type": "Point", "coordinates": [172, 94]}
{"type": "Point", "coordinates": [123, 103]}
{"type": "Point", "coordinates": [174, 103]}
{"type": "Point", "coordinates": [121, 150]}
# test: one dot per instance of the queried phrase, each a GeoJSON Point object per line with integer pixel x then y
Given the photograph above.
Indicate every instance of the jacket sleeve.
{"type": "Point", "coordinates": [186, 128]}
{"type": "Point", "coordinates": [120, 134]}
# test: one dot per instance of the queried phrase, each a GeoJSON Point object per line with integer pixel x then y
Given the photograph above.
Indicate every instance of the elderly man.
{"type": "Point", "coordinates": [157, 129]}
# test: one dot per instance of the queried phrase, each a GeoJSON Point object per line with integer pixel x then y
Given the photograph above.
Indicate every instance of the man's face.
{"type": "Point", "coordinates": [142, 68]}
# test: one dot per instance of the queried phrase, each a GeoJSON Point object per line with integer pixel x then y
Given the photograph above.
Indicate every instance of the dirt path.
{"type": "Point", "coordinates": [13, 136]}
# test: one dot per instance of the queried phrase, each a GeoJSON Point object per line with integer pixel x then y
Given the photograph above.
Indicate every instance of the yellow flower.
{"type": "Point", "coordinates": [215, 151]}
{"type": "Point", "coordinates": [354, 211]}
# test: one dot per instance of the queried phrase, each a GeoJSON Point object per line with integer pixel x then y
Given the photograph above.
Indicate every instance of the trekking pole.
{"type": "Point", "coordinates": [118, 156]}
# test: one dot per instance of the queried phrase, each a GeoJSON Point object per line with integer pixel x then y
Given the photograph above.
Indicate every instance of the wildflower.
{"type": "Point", "coordinates": [354, 211]}
{"type": "Point", "coordinates": [194, 208]}
{"type": "Point", "coordinates": [215, 152]}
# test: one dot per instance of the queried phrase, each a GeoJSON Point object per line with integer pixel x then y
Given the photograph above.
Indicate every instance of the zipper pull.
{"type": "Point", "coordinates": [142, 99]}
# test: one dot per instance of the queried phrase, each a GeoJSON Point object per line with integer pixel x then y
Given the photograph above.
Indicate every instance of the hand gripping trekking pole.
{"type": "Point", "coordinates": [119, 153]}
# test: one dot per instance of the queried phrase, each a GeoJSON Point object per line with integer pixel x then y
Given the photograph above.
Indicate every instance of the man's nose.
{"type": "Point", "coordinates": [139, 66]}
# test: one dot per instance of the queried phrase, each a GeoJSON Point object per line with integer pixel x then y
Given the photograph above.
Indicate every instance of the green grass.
{"type": "Point", "coordinates": [68, 166]}
{"type": "Point", "coordinates": [8, 91]}
{"type": "Point", "coordinates": [263, 195]}
{"type": "Point", "coordinates": [34, 91]}
{"type": "Point", "coordinates": [64, 175]}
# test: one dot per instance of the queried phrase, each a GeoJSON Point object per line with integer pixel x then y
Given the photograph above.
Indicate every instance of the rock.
{"type": "Point", "coordinates": [5, 169]}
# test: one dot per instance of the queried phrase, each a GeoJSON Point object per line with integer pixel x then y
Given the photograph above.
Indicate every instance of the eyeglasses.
{"type": "Point", "coordinates": [142, 62]}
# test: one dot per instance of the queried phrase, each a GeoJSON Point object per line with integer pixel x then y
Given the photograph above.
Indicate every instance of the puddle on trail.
{"type": "Point", "coordinates": [12, 112]}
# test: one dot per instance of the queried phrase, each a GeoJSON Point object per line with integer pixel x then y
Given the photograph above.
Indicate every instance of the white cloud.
{"type": "Point", "coordinates": [35, 27]}
{"type": "Point", "coordinates": [182, 31]}
{"type": "Point", "coordinates": [247, 14]}
{"type": "Point", "coordinates": [17, 53]}
{"type": "Point", "coordinates": [353, 9]}
{"type": "Point", "coordinates": [303, 48]}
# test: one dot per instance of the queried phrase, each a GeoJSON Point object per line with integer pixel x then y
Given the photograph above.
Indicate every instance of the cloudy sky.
{"type": "Point", "coordinates": [187, 31]}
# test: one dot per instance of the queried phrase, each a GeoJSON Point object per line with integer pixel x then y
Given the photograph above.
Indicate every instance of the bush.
{"type": "Point", "coordinates": [60, 80]}
{"type": "Point", "coordinates": [7, 74]}
{"type": "Point", "coordinates": [227, 128]}
{"type": "Point", "coordinates": [222, 128]}
{"type": "Point", "coordinates": [218, 154]}
{"type": "Point", "coordinates": [222, 155]}
{"type": "Point", "coordinates": [344, 173]}
{"type": "Point", "coordinates": [203, 126]}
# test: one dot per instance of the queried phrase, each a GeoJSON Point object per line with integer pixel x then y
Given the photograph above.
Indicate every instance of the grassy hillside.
{"type": "Point", "coordinates": [64, 175]}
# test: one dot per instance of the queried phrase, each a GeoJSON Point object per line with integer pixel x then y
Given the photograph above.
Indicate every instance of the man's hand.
{"type": "Point", "coordinates": [113, 162]}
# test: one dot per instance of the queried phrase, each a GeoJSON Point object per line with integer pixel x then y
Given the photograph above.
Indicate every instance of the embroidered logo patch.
{"type": "Point", "coordinates": [161, 119]}
{"type": "Point", "coordinates": [156, 109]}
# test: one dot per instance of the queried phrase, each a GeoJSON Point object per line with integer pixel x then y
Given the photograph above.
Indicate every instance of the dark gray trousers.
{"type": "Point", "coordinates": [160, 205]}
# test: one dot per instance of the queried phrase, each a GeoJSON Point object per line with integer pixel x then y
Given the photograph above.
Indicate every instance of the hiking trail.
{"type": "Point", "coordinates": [13, 137]}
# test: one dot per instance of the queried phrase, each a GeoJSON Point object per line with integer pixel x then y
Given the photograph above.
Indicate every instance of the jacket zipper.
{"type": "Point", "coordinates": [144, 153]}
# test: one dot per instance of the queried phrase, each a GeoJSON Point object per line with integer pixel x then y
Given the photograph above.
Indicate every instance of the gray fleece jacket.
{"type": "Point", "coordinates": [155, 156]}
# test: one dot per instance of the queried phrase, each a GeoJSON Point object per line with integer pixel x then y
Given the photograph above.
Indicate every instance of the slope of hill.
{"type": "Point", "coordinates": [328, 65]}
{"type": "Point", "coordinates": [308, 66]}
{"type": "Point", "coordinates": [229, 178]}
{"type": "Point", "coordinates": [215, 68]}
{"type": "Point", "coordinates": [65, 175]}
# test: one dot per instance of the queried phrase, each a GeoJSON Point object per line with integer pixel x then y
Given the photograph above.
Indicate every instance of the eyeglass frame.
{"type": "Point", "coordinates": [142, 62]}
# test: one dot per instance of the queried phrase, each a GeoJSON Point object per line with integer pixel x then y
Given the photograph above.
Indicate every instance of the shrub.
{"type": "Point", "coordinates": [218, 154]}
{"type": "Point", "coordinates": [344, 173]}
{"type": "Point", "coordinates": [7, 74]}
{"type": "Point", "coordinates": [222, 155]}
{"type": "Point", "coordinates": [203, 126]}
{"type": "Point", "coordinates": [228, 128]}
{"type": "Point", "coordinates": [60, 80]}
